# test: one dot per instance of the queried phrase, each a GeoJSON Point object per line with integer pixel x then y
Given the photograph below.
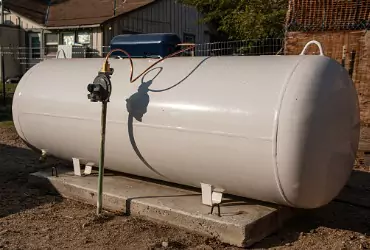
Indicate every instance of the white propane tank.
{"type": "Point", "coordinates": [281, 129]}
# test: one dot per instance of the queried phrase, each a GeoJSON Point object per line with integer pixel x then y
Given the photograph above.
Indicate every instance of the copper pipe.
{"type": "Point", "coordinates": [106, 64]}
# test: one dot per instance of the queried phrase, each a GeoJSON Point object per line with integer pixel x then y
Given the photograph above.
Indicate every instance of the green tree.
{"type": "Point", "coordinates": [244, 19]}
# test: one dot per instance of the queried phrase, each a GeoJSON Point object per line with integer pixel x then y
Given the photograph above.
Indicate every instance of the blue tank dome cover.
{"type": "Point", "coordinates": [146, 45]}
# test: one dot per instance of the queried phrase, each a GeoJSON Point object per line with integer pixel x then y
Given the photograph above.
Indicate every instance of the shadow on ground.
{"type": "Point", "coordinates": [350, 211]}
{"type": "Point", "coordinates": [16, 195]}
{"type": "Point", "coordinates": [5, 113]}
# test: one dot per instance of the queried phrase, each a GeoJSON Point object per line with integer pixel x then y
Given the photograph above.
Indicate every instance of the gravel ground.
{"type": "Point", "coordinates": [35, 219]}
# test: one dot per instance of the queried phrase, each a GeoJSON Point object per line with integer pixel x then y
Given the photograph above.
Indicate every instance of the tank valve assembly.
{"type": "Point", "coordinates": [100, 91]}
{"type": "Point", "coordinates": [101, 88]}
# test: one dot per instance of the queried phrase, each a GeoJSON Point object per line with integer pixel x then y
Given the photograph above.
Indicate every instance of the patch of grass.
{"type": "Point", "coordinates": [6, 118]}
{"type": "Point", "coordinates": [6, 124]}
{"type": "Point", "coordinates": [9, 88]}
{"type": "Point", "coordinates": [9, 91]}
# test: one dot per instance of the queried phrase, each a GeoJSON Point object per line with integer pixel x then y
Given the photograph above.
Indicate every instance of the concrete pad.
{"type": "Point", "coordinates": [242, 222]}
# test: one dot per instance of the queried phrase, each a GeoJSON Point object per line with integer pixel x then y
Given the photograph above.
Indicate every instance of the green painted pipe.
{"type": "Point", "coordinates": [101, 158]}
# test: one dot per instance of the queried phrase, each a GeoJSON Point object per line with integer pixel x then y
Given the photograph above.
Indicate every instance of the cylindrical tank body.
{"type": "Point", "coordinates": [281, 129]}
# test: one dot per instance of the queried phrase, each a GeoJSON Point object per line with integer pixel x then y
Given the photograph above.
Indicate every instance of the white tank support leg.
{"type": "Point", "coordinates": [217, 195]}
{"type": "Point", "coordinates": [88, 168]}
{"type": "Point", "coordinates": [206, 194]}
{"type": "Point", "coordinates": [210, 195]}
{"type": "Point", "coordinates": [76, 166]}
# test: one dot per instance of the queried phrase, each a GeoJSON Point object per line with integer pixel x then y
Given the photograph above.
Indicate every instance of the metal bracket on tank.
{"type": "Point", "coordinates": [54, 171]}
{"type": "Point", "coordinates": [88, 168]}
{"type": "Point", "coordinates": [77, 167]}
{"type": "Point", "coordinates": [313, 42]}
{"type": "Point", "coordinates": [212, 196]}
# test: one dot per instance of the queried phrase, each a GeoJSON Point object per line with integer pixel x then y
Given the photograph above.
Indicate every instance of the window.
{"type": "Point", "coordinates": [51, 43]}
{"type": "Point", "coordinates": [68, 38]}
{"type": "Point", "coordinates": [51, 39]}
{"type": "Point", "coordinates": [84, 38]}
{"type": "Point", "coordinates": [81, 37]}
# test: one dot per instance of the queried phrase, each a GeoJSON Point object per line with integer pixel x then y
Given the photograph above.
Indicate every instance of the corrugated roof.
{"type": "Point", "coordinates": [309, 15]}
{"type": "Point", "coordinates": [73, 12]}
{"type": "Point", "coordinates": [35, 10]}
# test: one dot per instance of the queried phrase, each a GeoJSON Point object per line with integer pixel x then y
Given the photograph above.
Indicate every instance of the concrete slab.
{"type": "Point", "coordinates": [242, 222]}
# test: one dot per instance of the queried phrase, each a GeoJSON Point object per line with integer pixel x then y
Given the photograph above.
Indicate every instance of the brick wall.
{"type": "Point", "coordinates": [333, 43]}
{"type": "Point", "coordinates": [314, 15]}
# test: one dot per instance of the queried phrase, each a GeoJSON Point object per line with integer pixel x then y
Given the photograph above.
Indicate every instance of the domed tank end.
{"type": "Point", "coordinates": [318, 133]}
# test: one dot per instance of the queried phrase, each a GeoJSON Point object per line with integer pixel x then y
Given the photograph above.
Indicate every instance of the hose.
{"type": "Point", "coordinates": [106, 63]}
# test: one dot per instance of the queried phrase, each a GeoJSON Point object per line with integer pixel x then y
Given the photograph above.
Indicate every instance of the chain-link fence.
{"type": "Point", "coordinates": [328, 15]}
{"type": "Point", "coordinates": [241, 48]}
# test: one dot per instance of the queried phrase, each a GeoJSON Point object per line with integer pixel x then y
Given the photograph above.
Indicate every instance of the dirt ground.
{"type": "Point", "coordinates": [35, 219]}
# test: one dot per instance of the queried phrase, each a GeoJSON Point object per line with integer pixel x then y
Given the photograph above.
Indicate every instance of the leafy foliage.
{"type": "Point", "coordinates": [244, 19]}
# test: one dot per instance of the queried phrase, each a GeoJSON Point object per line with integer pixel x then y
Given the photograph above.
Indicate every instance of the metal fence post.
{"type": "Point", "coordinates": [2, 78]}
{"type": "Point", "coordinates": [2, 12]}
